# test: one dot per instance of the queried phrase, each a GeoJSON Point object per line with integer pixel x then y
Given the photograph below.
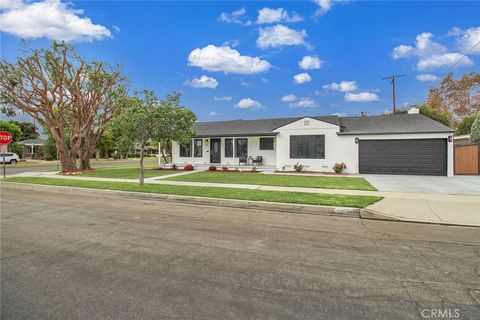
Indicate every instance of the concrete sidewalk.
{"type": "Point", "coordinates": [402, 206]}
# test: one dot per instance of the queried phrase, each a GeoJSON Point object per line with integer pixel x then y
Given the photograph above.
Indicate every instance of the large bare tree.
{"type": "Point", "coordinates": [459, 97]}
{"type": "Point", "coordinates": [72, 98]}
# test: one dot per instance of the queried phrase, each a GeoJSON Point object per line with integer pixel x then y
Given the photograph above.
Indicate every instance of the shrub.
{"type": "Point", "coordinates": [212, 168]}
{"type": "Point", "coordinates": [298, 167]}
{"type": "Point", "coordinates": [339, 167]}
{"type": "Point", "coordinates": [254, 169]}
{"type": "Point", "coordinates": [475, 130]}
{"type": "Point", "coordinates": [188, 167]}
{"type": "Point", "coordinates": [237, 170]}
{"type": "Point", "coordinates": [224, 169]}
{"type": "Point", "coordinates": [465, 126]}
{"type": "Point", "coordinates": [174, 167]}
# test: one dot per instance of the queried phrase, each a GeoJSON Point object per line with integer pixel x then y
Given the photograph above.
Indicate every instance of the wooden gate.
{"type": "Point", "coordinates": [467, 159]}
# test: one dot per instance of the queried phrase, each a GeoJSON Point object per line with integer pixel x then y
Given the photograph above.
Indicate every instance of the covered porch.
{"type": "Point", "coordinates": [32, 149]}
{"type": "Point", "coordinates": [230, 151]}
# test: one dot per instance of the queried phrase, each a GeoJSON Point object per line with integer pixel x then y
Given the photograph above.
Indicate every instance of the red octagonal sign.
{"type": "Point", "coordinates": [5, 137]}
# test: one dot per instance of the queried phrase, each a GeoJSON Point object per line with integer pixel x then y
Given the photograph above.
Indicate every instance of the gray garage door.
{"type": "Point", "coordinates": [419, 157]}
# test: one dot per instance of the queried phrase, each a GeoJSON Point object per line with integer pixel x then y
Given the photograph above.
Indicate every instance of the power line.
{"type": "Point", "coordinates": [392, 78]}
{"type": "Point", "coordinates": [466, 53]}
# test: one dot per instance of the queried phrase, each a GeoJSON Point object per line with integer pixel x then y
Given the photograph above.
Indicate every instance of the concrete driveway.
{"type": "Point", "coordinates": [467, 185]}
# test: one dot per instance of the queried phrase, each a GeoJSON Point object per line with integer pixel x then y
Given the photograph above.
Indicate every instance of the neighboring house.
{"type": "Point", "coordinates": [32, 148]}
{"type": "Point", "coordinates": [384, 144]}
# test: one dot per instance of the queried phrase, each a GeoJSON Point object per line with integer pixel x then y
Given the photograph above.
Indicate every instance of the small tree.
{"type": "Point", "coordinates": [465, 125]}
{"type": "Point", "coordinates": [148, 118]}
{"type": "Point", "coordinates": [437, 115]}
{"type": "Point", "coordinates": [16, 133]}
{"type": "Point", "coordinates": [475, 131]}
{"type": "Point", "coordinates": [29, 130]}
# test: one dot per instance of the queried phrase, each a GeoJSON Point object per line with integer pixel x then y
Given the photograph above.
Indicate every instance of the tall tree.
{"type": "Point", "coordinates": [68, 96]}
{"type": "Point", "coordinates": [459, 97]}
{"type": "Point", "coordinates": [29, 130]}
{"type": "Point", "coordinates": [147, 118]}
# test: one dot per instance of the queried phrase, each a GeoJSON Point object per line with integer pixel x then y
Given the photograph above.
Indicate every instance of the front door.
{"type": "Point", "coordinates": [215, 150]}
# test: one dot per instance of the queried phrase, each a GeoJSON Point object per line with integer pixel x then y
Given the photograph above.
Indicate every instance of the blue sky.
{"type": "Point", "coordinates": [240, 59]}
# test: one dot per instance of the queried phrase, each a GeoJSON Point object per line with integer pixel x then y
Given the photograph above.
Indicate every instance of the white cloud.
{"type": "Point", "coordinates": [424, 46]}
{"type": "Point", "coordinates": [50, 19]}
{"type": "Point", "coordinates": [237, 17]}
{"type": "Point", "coordinates": [203, 82]}
{"type": "Point", "coordinates": [244, 83]}
{"type": "Point", "coordinates": [280, 35]}
{"type": "Point", "coordinates": [231, 43]}
{"type": "Point", "coordinates": [361, 97]}
{"type": "Point", "coordinates": [226, 59]}
{"type": "Point", "coordinates": [339, 114]}
{"type": "Point", "coordinates": [344, 86]}
{"type": "Point", "coordinates": [310, 62]}
{"type": "Point", "coordinates": [426, 77]}
{"type": "Point", "coordinates": [467, 39]}
{"type": "Point", "coordinates": [288, 98]}
{"type": "Point", "coordinates": [326, 5]}
{"type": "Point", "coordinates": [248, 103]}
{"type": "Point", "coordinates": [224, 98]}
{"type": "Point", "coordinates": [302, 78]}
{"type": "Point", "coordinates": [265, 80]}
{"type": "Point", "coordinates": [269, 15]}
{"type": "Point", "coordinates": [304, 102]}
{"type": "Point", "coordinates": [213, 113]}
{"type": "Point", "coordinates": [433, 55]}
{"type": "Point", "coordinates": [443, 60]}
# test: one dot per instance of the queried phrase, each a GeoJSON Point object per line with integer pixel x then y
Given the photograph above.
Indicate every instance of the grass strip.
{"type": "Point", "coordinates": [125, 172]}
{"type": "Point", "coordinates": [346, 183]}
{"type": "Point", "coordinates": [212, 192]}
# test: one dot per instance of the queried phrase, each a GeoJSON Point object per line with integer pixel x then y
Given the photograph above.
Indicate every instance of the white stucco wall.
{"type": "Point", "coordinates": [338, 148]}
{"type": "Point", "coordinates": [269, 156]}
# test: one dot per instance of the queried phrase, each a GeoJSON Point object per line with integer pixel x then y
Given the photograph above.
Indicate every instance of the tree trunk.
{"type": "Point", "coordinates": [85, 160]}
{"type": "Point", "coordinates": [67, 157]}
{"type": "Point", "coordinates": [142, 148]}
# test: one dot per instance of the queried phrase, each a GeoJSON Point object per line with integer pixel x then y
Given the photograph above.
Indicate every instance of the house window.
{"type": "Point", "coordinates": [241, 148]}
{"type": "Point", "coordinates": [307, 147]}
{"type": "Point", "coordinates": [228, 148]}
{"type": "Point", "coordinates": [266, 143]}
{"type": "Point", "coordinates": [186, 150]}
{"type": "Point", "coordinates": [198, 148]}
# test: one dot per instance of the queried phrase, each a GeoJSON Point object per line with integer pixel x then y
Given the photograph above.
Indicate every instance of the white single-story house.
{"type": "Point", "coordinates": [382, 144]}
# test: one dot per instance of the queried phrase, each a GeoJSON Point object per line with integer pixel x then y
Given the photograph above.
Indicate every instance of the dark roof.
{"type": "Point", "coordinates": [258, 127]}
{"type": "Point", "coordinates": [398, 123]}
{"type": "Point", "coordinates": [392, 123]}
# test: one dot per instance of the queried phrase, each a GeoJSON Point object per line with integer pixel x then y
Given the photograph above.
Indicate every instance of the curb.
{"type": "Point", "coordinates": [242, 204]}
{"type": "Point", "coordinates": [375, 215]}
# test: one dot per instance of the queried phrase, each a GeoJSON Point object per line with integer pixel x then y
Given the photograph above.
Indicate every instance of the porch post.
{"type": "Point", "coordinates": [192, 146]}
{"type": "Point", "coordinates": [233, 151]}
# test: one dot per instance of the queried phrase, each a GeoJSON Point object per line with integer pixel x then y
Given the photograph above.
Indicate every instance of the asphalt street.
{"type": "Point", "coordinates": [15, 169]}
{"type": "Point", "coordinates": [92, 256]}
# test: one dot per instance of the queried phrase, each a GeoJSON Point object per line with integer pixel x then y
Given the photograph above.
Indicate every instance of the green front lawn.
{"type": "Point", "coordinates": [212, 192]}
{"type": "Point", "coordinates": [125, 172]}
{"type": "Point", "coordinates": [348, 183]}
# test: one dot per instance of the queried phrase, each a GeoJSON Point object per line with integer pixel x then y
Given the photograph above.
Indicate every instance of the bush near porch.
{"type": "Point", "coordinates": [347, 183]}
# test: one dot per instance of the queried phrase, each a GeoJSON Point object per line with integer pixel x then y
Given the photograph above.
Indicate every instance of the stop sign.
{"type": "Point", "coordinates": [5, 137]}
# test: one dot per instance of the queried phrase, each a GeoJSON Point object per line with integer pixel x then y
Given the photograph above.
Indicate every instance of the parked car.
{"type": "Point", "coordinates": [10, 157]}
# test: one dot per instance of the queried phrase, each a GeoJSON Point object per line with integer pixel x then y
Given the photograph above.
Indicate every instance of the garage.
{"type": "Point", "coordinates": [405, 156]}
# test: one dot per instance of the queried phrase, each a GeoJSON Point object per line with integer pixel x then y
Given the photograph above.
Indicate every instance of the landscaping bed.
{"type": "Point", "coordinates": [211, 192]}
{"type": "Point", "coordinates": [347, 183]}
{"type": "Point", "coordinates": [314, 172]}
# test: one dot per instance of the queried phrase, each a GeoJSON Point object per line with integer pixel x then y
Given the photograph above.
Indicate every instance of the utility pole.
{"type": "Point", "coordinates": [392, 78]}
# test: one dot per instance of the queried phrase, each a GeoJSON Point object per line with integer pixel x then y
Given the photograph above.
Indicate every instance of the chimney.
{"type": "Point", "coordinates": [413, 110]}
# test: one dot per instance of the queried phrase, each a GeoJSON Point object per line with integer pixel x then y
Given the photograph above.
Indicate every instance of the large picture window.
{"type": "Point", "coordinates": [198, 148]}
{"type": "Point", "coordinates": [186, 150]}
{"type": "Point", "coordinates": [228, 148]}
{"type": "Point", "coordinates": [307, 147]}
{"type": "Point", "coordinates": [241, 148]}
{"type": "Point", "coordinates": [266, 143]}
